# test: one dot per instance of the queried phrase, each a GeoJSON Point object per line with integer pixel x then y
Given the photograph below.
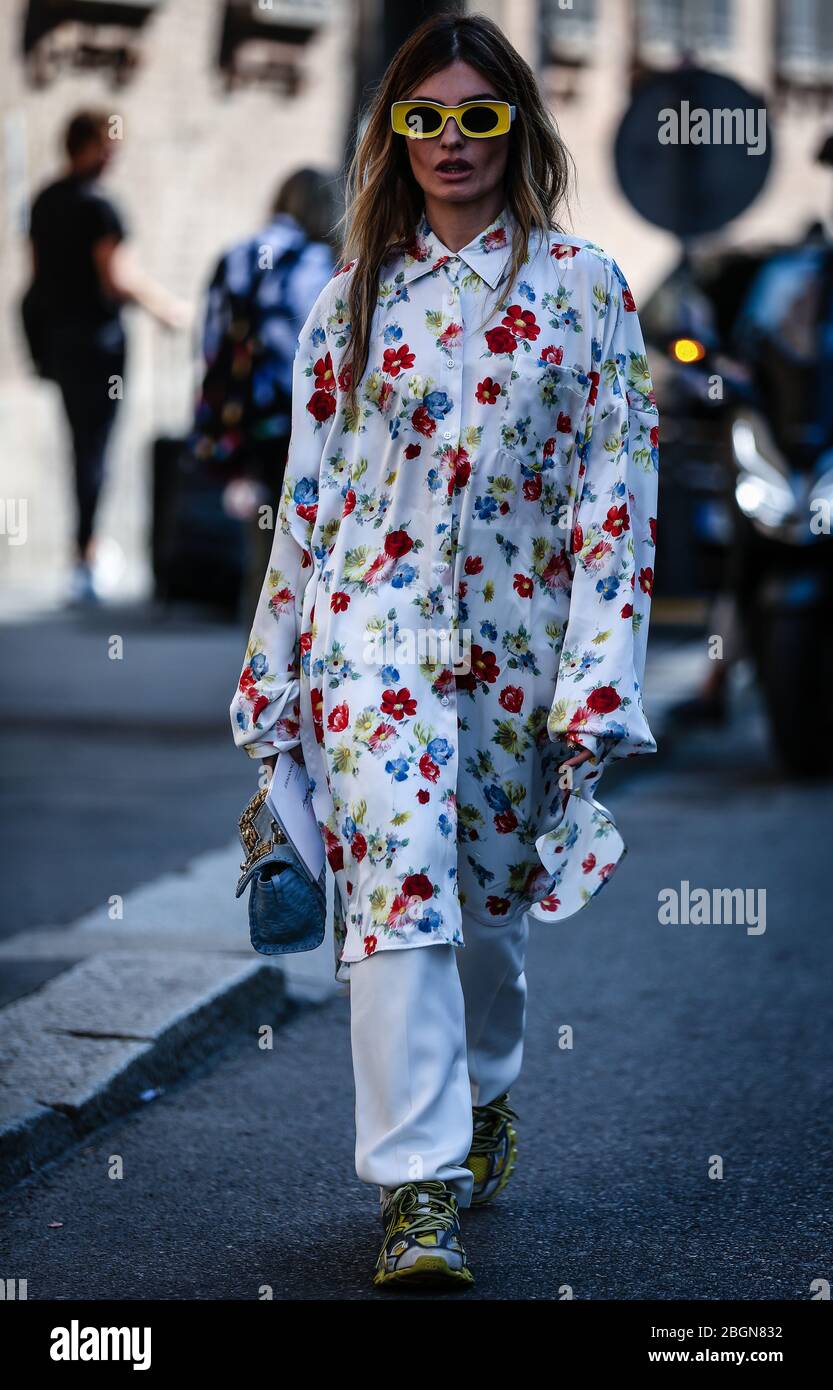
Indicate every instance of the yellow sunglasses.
{"type": "Point", "coordinates": [478, 120]}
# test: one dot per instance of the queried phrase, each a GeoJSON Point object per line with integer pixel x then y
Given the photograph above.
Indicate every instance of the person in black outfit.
{"type": "Point", "coordinates": [84, 274]}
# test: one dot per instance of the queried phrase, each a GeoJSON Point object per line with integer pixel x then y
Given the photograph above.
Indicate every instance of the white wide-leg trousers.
{"type": "Point", "coordinates": [434, 1030]}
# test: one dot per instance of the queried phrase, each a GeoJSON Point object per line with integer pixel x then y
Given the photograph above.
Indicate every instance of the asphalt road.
{"type": "Point", "coordinates": [691, 1043]}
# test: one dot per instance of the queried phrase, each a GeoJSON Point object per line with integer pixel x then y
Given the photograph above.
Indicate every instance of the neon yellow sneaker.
{"type": "Point", "coordinates": [422, 1237]}
{"type": "Point", "coordinates": [493, 1149]}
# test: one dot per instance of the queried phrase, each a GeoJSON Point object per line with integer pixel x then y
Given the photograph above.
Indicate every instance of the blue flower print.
{"type": "Point", "coordinates": [608, 586]}
{"type": "Point", "coordinates": [398, 769]}
{"type": "Point", "coordinates": [439, 750]}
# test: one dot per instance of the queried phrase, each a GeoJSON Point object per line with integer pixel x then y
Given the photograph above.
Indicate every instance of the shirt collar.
{"type": "Point", "coordinates": [487, 254]}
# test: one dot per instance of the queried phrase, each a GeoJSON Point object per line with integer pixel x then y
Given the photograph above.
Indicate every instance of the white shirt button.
{"type": "Point", "coordinates": [444, 700]}
{"type": "Point", "coordinates": [448, 434]}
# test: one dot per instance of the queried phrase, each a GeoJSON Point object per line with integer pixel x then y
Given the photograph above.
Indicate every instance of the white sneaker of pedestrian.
{"type": "Point", "coordinates": [108, 566]}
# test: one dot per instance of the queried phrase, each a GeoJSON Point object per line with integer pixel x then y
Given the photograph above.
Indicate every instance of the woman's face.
{"type": "Point", "coordinates": [483, 161]}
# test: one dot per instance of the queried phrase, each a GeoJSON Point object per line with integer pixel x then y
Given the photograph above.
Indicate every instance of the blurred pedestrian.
{"type": "Point", "coordinates": [83, 272]}
{"type": "Point", "coordinates": [258, 299]}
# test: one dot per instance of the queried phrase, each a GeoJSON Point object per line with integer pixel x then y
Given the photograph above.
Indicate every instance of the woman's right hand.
{"type": "Point", "coordinates": [296, 753]}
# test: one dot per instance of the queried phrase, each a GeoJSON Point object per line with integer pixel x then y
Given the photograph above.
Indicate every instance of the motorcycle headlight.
{"type": "Point", "coordinates": [762, 491]}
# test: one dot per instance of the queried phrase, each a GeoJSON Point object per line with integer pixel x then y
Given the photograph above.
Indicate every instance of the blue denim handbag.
{"type": "Point", "coordinates": [287, 908]}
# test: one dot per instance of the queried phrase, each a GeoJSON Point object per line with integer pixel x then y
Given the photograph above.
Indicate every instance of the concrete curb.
{"type": "Point", "coordinates": [88, 1045]}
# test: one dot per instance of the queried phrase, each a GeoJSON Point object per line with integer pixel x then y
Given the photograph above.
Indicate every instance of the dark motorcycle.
{"type": "Point", "coordinates": [746, 387]}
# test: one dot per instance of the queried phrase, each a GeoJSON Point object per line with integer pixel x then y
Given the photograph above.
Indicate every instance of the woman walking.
{"type": "Point", "coordinates": [452, 627]}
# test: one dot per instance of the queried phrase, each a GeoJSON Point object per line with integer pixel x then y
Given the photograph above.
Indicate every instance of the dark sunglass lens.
{"type": "Point", "coordinates": [422, 119]}
{"type": "Point", "coordinates": [479, 120]}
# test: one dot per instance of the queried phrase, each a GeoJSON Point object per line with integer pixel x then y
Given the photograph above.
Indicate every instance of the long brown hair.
{"type": "Point", "coordinates": [383, 199]}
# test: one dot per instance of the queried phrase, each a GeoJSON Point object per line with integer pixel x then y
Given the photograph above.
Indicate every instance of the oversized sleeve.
{"type": "Point", "coordinates": [611, 546]}
{"type": "Point", "coordinates": [265, 715]}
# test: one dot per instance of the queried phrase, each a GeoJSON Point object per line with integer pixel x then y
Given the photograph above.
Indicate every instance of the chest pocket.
{"type": "Point", "coordinates": [543, 399]}
{"type": "Point", "coordinates": [544, 410]}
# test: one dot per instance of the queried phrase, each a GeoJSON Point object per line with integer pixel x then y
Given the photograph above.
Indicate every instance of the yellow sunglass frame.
{"type": "Point", "coordinates": [504, 111]}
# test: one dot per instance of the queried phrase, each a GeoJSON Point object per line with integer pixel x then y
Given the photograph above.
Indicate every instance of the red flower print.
{"type": "Point", "coordinates": [309, 511]}
{"type": "Point", "coordinates": [532, 488]}
{"type": "Point", "coordinates": [501, 340]}
{"type": "Point", "coordinates": [550, 903]}
{"type": "Point", "coordinates": [423, 795]}
{"type": "Point", "coordinates": [358, 846]}
{"type": "Point", "coordinates": [281, 599]}
{"type": "Point", "coordinates": [588, 863]}
{"type": "Point", "coordinates": [487, 391]}
{"type": "Point", "coordinates": [428, 768]}
{"type": "Point", "coordinates": [511, 698]}
{"type": "Point", "coordinates": [305, 641]}
{"type": "Point", "coordinates": [561, 251]}
{"type": "Point", "coordinates": [605, 872]}
{"type": "Point", "coordinates": [555, 566]}
{"type": "Point", "coordinates": [594, 379]}
{"type": "Point", "coordinates": [369, 945]}
{"type": "Point", "coordinates": [460, 475]}
{"type": "Point", "coordinates": [521, 322]}
{"type": "Point", "coordinates": [603, 700]}
{"type": "Point", "coordinates": [627, 300]}
{"type": "Point", "coordinates": [259, 706]}
{"type": "Point", "coordinates": [418, 885]}
{"type": "Point", "coordinates": [398, 703]}
{"type": "Point", "coordinates": [316, 700]}
{"type": "Point", "coordinates": [321, 405]}
{"type": "Point", "coordinates": [395, 359]}
{"type": "Point", "coordinates": [397, 544]}
{"type": "Point", "coordinates": [349, 501]}
{"type": "Point", "coordinates": [495, 239]}
{"type": "Point", "coordinates": [505, 822]}
{"type": "Point", "coordinates": [523, 585]}
{"type": "Point", "coordinates": [247, 682]}
{"type": "Point", "coordinates": [498, 907]}
{"type": "Point", "coordinates": [323, 373]}
{"type": "Point", "coordinates": [339, 718]}
{"type": "Point", "coordinates": [335, 854]}
{"type": "Point", "coordinates": [598, 552]}
{"type": "Point", "coordinates": [577, 539]}
{"type": "Point", "coordinates": [552, 354]}
{"type": "Point", "coordinates": [646, 580]}
{"type": "Point", "coordinates": [654, 436]}
{"type": "Point", "coordinates": [652, 526]}
{"type": "Point", "coordinates": [564, 424]}
{"type": "Point", "coordinates": [413, 451]}
{"type": "Point", "coordinates": [345, 377]}
{"type": "Point", "coordinates": [627, 611]}
{"type": "Point", "coordinates": [484, 666]}
{"type": "Point", "coordinates": [617, 520]}
{"type": "Point", "coordinates": [339, 601]}
{"type": "Point", "coordinates": [422, 422]}
{"type": "Point", "coordinates": [473, 564]}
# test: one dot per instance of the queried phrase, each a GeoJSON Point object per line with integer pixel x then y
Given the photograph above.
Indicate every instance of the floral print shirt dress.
{"type": "Point", "coordinates": [460, 583]}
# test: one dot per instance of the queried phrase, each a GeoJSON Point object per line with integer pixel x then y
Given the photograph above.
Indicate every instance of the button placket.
{"type": "Point", "coordinates": [444, 571]}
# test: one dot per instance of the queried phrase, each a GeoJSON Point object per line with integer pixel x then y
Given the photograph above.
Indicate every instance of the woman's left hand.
{"type": "Point", "coordinates": [575, 761]}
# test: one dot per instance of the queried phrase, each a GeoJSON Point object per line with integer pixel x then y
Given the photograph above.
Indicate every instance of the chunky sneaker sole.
{"type": "Point", "coordinates": [422, 1242]}
{"type": "Point", "coordinates": [427, 1270]}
